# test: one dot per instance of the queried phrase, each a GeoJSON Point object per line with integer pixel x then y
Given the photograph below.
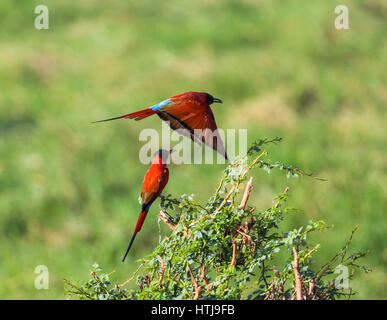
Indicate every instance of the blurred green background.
{"type": "Point", "coordinates": [68, 189]}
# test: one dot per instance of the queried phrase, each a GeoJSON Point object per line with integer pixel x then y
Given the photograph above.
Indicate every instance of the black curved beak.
{"type": "Point", "coordinates": [216, 100]}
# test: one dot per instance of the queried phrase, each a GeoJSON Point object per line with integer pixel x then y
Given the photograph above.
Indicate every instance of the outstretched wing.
{"type": "Point", "coordinates": [196, 122]}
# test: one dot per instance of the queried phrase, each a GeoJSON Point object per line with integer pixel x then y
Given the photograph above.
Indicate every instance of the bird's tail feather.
{"type": "Point", "coordinates": [130, 244]}
{"type": "Point", "coordinates": [138, 115]}
{"type": "Point", "coordinates": [140, 221]}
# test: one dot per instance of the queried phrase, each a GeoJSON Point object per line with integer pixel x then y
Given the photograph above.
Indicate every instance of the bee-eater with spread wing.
{"type": "Point", "coordinates": [153, 184]}
{"type": "Point", "coordinates": [190, 114]}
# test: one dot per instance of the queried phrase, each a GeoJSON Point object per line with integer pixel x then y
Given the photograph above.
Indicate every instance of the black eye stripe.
{"type": "Point", "coordinates": [209, 98]}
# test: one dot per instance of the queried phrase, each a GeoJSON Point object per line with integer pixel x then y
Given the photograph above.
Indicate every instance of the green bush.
{"type": "Point", "coordinates": [225, 249]}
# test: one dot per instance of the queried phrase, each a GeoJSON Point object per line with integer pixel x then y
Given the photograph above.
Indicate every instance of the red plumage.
{"type": "Point", "coordinates": [140, 221]}
{"type": "Point", "coordinates": [139, 115]}
{"type": "Point", "coordinates": [190, 114]}
{"type": "Point", "coordinates": [153, 184]}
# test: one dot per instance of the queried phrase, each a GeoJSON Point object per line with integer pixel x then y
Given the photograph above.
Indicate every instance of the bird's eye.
{"type": "Point", "coordinates": [209, 99]}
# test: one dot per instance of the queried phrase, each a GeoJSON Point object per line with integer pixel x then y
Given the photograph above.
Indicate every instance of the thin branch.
{"type": "Point", "coordinates": [322, 273]}
{"type": "Point", "coordinates": [79, 290]}
{"type": "Point", "coordinates": [185, 287]}
{"type": "Point", "coordinates": [234, 254]}
{"type": "Point", "coordinates": [198, 289]}
{"type": "Point", "coordinates": [279, 201]}
{"type": "Point", "coordinates": [246, 194]}
{"type": "Point", "coordinates": [245, 235]}
{"type": "Point", "coordinates": [297, 276]}
{"type": "Point", "coordinates": [147, 279]}
{"type": "Point", "coordinates": [280, 284]}
{"type": "Point", "coordinates": [204, 278]}
{"type": "Point", "coordinates": [312, 285]}
{"type": "Point", "coordinates": [132, 277]}
{"type": "Point", "coordinates": [162, 216]}
{"type": "Point", "coordinates": [322, 297]}
{"type": "Point", "coordinates": [218, 189]}
{"type": "Point", "coordinates": [162, 266]}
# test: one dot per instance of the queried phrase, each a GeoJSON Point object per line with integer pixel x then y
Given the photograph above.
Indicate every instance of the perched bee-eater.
{"type": "Point", "coordinates": [153, 184]}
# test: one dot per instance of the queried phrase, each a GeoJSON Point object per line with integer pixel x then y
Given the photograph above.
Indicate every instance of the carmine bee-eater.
{"type": "Point", "coordinates": [153, 184]}
{"type": "Point", "coordinates": [190, 114]}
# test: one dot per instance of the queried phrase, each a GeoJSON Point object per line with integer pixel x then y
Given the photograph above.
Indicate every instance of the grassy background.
{"type": "Point", "coordinates": [68, 189]}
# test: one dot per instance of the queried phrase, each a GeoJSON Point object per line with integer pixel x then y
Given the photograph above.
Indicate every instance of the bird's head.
{"type": "Point", "coordinates": [210, 99]}
{"type": "Point", "coordinates": [161, 156]}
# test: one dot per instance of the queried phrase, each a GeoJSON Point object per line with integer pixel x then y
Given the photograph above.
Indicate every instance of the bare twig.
{"type": "Point", "coordinates": [251, 223]}
{"type": "Point", "coordinates": [280, 284]}
{"type": "Point", "coordinates": [234, 253]}
{"type": "Point", "coordinates": [323, 272]}
{"type": "Point", "coordinates": [197, 293]}
{"type": "Point", "coordinates": [204, 278]}
{"type": "Point", "coordinates": [322, 297]}
{"type": "Point", "coordinates": [79, 290]}
{"type": "Point", "coordinates": [279, 201]}
{"type": "Point", "coordinates": [198, 289]}
{"type": "Point", "coordinates": [162, 215]}
{"type": "Point", "coordinates": [297, 276]}
{"type": "Point", "coordinates": [312, 285]}
{"type": "Point", "coordinates": [132, 277]}
{"type": "Point", "coordinates": [246, 194]}
{"type": "Point", "coordinates": [162, 266]}
{"type": "Point", "coordinates": [244, 234]}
